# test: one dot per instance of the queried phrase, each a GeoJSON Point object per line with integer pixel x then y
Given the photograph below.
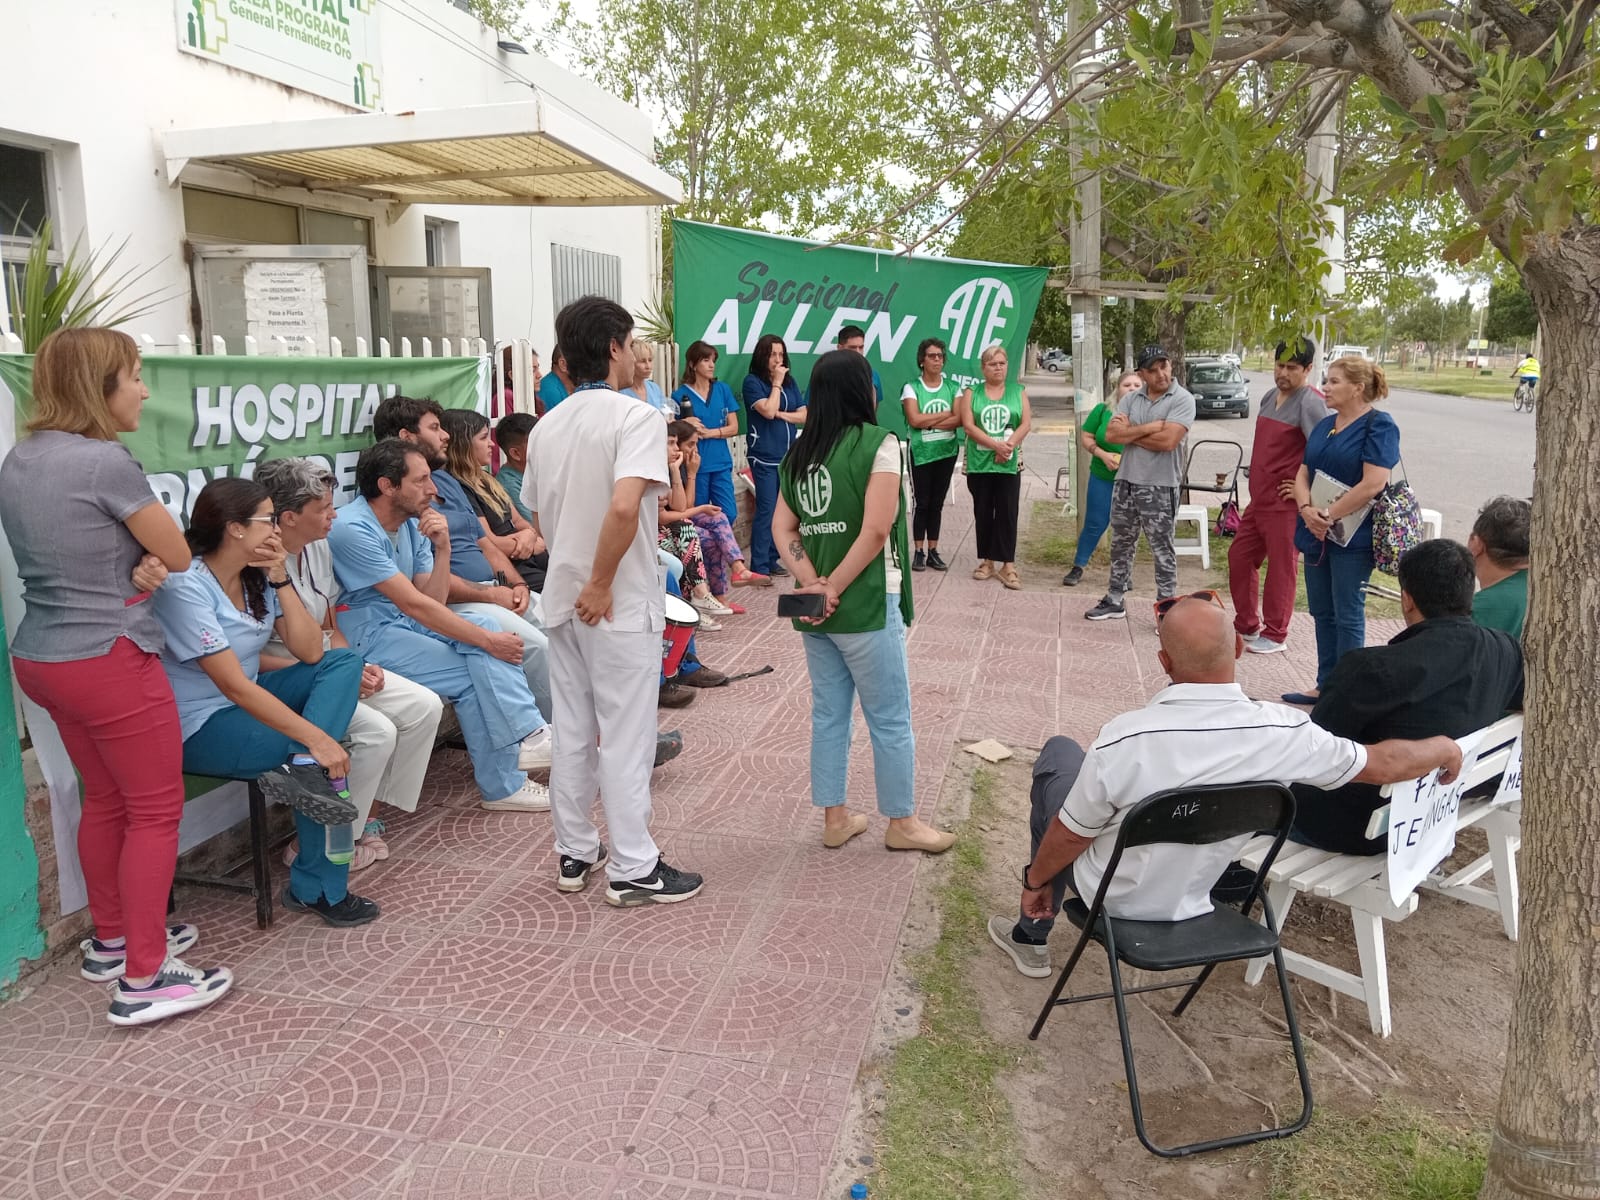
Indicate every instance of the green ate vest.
{"type": "Point", "coordinates": [997, 418]}
{"type": "Point", "coordinates": [933, 445]}
{"type": "Point", "coordinates": [831, 502]}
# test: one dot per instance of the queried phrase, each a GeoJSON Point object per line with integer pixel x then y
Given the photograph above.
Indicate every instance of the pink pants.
{"type": "Point", "coordinates": [119, 723]}
{"type": "Point", "coordinates": [720, 550]}
{"type": "Point", "coordinates": [1264, 534]}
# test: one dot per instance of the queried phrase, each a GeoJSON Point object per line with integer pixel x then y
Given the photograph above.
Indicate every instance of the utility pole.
{"type": "Point", "coordinates": [1322, 154]}
{"type": "Point", "coordinates": [1088, 369]}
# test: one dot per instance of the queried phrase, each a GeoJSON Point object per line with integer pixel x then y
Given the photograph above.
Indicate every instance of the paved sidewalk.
{"type": "Point", "coordinates": [489, 1037]}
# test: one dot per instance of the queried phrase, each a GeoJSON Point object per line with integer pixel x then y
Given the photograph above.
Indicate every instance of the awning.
{"type": "Point", "coordinates": [532, 152]}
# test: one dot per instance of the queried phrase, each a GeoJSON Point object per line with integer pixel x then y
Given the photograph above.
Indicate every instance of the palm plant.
{"type": "Point", "coordinates": [84, 290]}
{"type": "Point", "coordinates": [655, 320]}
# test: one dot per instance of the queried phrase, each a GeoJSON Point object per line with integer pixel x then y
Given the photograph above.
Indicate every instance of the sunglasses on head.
{"type": "Point", "coordinates": [1210, 595]}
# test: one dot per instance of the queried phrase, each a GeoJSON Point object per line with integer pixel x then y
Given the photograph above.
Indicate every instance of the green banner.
{"type": "Point", "coordinates": [209, 416]}
{"type": "Point", "coordinates": [730, 287]}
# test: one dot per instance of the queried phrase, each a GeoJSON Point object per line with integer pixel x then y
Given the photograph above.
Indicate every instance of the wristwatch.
{"type": "Point", "coordinates": [279, 585]}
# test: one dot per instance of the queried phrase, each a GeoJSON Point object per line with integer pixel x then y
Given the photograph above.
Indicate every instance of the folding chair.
{"type": "Point", "coordinates": [1192, 817]}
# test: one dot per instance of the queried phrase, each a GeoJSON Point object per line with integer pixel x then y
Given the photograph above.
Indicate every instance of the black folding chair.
{"type": "Point", "coordinates": [1192, 817]}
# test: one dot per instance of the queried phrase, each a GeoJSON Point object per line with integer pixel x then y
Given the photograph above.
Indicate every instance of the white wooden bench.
{"type": "Point", "coordinates": [1361, 882]}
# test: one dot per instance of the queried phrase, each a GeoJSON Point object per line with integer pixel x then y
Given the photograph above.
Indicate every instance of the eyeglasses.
{"type": "Point", "coordinates": [272, 520]}
{"type": "Point", "coordinates": [1209, 595]}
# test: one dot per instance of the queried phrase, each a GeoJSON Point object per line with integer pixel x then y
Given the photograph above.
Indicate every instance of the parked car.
{"type": "Point", "coordinates": [1343, 351]}
{"type": "Point", "coordinates": [1056, 360]}
{"type": "Point", "coordinates": [1219, 387]}
{"type": "Point", "coordinates": [1233, 360]}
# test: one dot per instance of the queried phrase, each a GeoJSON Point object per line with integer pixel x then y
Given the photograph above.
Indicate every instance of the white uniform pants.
{"type": "Point", "coordinates": [605, 684]}
{"type": "Point", "coordinates": [390, 740]}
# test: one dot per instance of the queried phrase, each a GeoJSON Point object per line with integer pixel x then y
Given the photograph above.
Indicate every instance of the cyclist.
{"type": "Point", "coordinates": [1528, 370]}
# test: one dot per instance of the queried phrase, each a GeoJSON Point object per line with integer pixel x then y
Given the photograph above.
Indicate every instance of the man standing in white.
{"type": "Point", "coordinates": [596, 464]}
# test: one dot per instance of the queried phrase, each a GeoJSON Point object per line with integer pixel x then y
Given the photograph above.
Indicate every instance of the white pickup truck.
{"type": "Point", "coordinates": [1343, 351]}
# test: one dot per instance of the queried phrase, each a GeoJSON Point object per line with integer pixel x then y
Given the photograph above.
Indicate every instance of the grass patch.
{"type": "Point", "coordinates": [947, 1129]}
{"type": "Point", "coordinates": [1376, 606]}
{"type": "Point", "coordinates": [1051, 539]}
{"type": "Point", "coordinates": [1447, 381]}
{"type": "Point", "coordinates": [1394, 1153]}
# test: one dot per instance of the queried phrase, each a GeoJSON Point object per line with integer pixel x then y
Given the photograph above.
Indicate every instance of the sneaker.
{"type": "Point", "coordinates": [574, 873]}
{"type": "Point", "coordinates": [1262, 644]}
{"type": "Point", "coordinates": [530, 797]}
{"type": "Point", "coordinates": [362, 855]}
{"type": "Point", "coordinates": [664, 885]}
{"type": "Point", "coordinates": [737, 610]}
{"type": "Point", "coordinates": [291, 852]}
{"type": "Point", "coordinates": [668, 746]}
{"type": "Point", "coordinates": [936, 563]}
{"type": "Point", "coordinates": [535, 751]}
{"type": "Point", "coordinates": [1105, 610]}
{"type": "Point", "coordinates": [1072, 578]}
{"type": "Point", "coordinates": [177, 988]}
{"type": "Point", "coordinates": [708, 623]}
{"type": "Point", "coordinates": [305, 787]}
{"type": "Point", "coordinates": [919, 561]}
{"type": "Point", "coordinates": [352, 910]}
{"type": "Point", "coordinates": [1032, 961]}
{"type": "Point", "coordinates": [675, 695]}
{"type": "Point", "coordinates": [711, 606]}
{"type": "Point", "coordinates": [102, 964]}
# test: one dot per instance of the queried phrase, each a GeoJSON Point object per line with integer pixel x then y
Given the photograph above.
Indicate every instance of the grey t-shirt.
{"type": "Point", "coordinates": [1163, 468]}
{"type": "Point", "coordinates": [63, 500]}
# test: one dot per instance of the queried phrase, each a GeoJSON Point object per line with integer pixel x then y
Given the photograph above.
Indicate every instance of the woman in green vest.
{"type": "Point", "coordinates": [930, 407]}
{"type": "Point", "coordinates": [996, 418]}
{"type": "Point", "coordinates": [840, 529]}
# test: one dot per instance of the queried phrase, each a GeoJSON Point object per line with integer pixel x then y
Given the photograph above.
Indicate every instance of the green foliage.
{"type": "Point", "coordinates": [84, 290]}
{"type": "Point", "coordinates": [508, 17]}
{"type": "Point", "coordinates": [1439, 324]}
{"type": "Point", "coordinates": [775, 114]}
{"type": "Point", "coordinates": [654, 321]}
{"type": "Point", "coordinates": [1511, 317]}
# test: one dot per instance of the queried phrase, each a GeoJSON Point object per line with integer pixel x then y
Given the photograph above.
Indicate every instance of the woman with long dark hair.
{"type": "Point", "coordinates": [86, 652]}
{"type": "Point", "coordinates": [841, 531]}
{"type": "Point", "coordinates": [467, 458]}
{"type": "Point", "coordinates": [281, 726]}
{"type": "Point", "coordinates": [707, 403]}
{"type": "Point", "coordinates": [776, 410]}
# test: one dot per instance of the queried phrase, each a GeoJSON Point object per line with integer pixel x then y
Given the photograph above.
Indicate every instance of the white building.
{"type": "Point", "coordinates": [357, 126]}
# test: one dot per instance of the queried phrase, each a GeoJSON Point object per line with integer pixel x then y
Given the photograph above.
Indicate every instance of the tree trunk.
{"type": "Point", "coordinates": [1547, 1128]}
{"type": "Point", "coordinates": [1171, 330]}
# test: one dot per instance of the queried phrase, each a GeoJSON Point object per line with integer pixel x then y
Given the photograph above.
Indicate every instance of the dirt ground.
{"type": "Point", "coordinates": [1225, 1065]}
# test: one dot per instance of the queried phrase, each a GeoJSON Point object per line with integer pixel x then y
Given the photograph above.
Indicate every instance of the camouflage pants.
{"type": "Point", "coordinates": [1148, 509]}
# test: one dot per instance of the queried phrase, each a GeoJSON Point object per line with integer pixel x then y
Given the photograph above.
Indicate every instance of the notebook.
{"type": "Point", "coordinates": [1325, 489]}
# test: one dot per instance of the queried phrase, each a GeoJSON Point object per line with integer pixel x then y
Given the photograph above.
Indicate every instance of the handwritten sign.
{"type": "Point", "coordinates": [1510, 789]}
{"type": "Point", "coordinates": [1422, 825]}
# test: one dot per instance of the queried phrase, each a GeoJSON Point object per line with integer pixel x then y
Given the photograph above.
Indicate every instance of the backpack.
{"type": "Point", "coordinates": [1396, 523]}
{"type": "Point", "coordinates": [1228, 519]}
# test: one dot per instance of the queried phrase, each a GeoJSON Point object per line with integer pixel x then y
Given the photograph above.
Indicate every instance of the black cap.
{"type": "Point", "coordinates": [1302, 351]}
{"type": "Point", "coordinates": [1152, 353]}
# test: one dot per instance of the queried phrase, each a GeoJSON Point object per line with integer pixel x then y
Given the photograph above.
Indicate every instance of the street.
{"type": "Point", "coordinates": [1457, 452]}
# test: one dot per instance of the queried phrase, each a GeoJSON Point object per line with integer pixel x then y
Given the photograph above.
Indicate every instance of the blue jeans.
{"type": "Point", "coordinates": [716, 487]}
{"type": "Point", "coordinates": [234, 745]}
{"type": "Point", "coordinates": [763, 554]}
{"type": "Point", "coordinates": [1333, 593]}
{"type": "Point", "coordinates": [873, 666]}
{"type": "Point", "coordinates": [1096, 517]}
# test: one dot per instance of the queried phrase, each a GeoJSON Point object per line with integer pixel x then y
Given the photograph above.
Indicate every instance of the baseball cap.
{"type": "Point", "coordinates": [1152, 353]}
{"type": "Point", "coordinates": [1302, 351]}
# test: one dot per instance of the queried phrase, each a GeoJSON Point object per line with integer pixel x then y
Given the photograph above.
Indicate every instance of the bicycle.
{"type": "Point", "coordinates": [1522, 400]}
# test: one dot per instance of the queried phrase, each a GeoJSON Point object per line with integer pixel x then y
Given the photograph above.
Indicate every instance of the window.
{"type": "Point", "coordinates": [224, 217]}
{"type": "Point", "coordinates": [575, 273]}
{"type": "Point", "coordinates": [442, 242]}
{"type": "Point", "coordinates": [25, 204]}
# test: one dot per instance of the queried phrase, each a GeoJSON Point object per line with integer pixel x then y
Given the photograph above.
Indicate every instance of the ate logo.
{"type": "Point", "coordinates": [815, 493]}
{"type": "Point", "coordinates": [994, 419]}
{"type": "Point", "coordinates": [935, 404]}
{"type": "Point", "coordinates": [976, 314]}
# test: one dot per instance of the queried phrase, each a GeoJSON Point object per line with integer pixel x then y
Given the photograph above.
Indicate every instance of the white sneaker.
{"type": "Point", "coordinates": [1262, 644]}
{"type": "Point", "coordinates": [536, 750]}
{"type": "Point", "coordinates": [711, 606]}
{"type": "Point", "coordinates": [708, 624]}
{"type": "Point", "coordinates": [531, 797]}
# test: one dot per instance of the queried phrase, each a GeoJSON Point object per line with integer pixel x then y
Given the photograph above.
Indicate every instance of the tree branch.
{"type": "Point", "coordinates": [1439, 56]}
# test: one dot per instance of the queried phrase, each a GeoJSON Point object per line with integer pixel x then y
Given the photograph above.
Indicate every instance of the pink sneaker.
{"type": "Point", "coordinates": [177, 988]}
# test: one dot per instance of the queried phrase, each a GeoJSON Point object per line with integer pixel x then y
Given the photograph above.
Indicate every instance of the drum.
{"type": "Point", "coordinates": [682, 621]}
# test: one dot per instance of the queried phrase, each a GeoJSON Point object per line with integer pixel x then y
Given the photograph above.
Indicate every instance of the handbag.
{"type": "Point", "coordinates": [1396, 522]}
{"type": "Point", "coordinates": [1228, 519]}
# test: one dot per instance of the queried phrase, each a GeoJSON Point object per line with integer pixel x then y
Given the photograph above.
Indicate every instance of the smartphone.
{"type": "Point", "coordinates": [800, 604]}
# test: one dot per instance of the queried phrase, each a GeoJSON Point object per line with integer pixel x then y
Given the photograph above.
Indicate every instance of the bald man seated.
{"type": "Point", "coordinates": [1200, 730]}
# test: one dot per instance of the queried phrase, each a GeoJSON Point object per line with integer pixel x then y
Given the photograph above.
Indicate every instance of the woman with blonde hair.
{"type": "Point", "coordinates": [996, 417]}
{"type": "Point", "coordinates": [87, 652]}
{"type": "Point", "coordinates": [1350, 452]}
{"type": "Point", "coordinates": [467, 458]}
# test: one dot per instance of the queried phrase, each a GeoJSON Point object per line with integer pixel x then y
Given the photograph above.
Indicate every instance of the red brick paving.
{"type": "Point", "coordinates": [491, 1038]}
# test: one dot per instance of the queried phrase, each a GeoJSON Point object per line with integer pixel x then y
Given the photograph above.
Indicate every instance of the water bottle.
{"type": "Point", "coordinates": [339, 843]}
{"type": "Point", "coordinates": [858, 1191]}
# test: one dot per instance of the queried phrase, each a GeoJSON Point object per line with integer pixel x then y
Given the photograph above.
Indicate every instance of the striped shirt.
{"type": "Point", "coordinates": [1189, 735]}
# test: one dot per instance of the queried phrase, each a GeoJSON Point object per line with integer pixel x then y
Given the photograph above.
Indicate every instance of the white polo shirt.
{"type": "Point", "coordinates": [577, 453]}
{"type": "Point", "coordinates": [1189, 735]}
